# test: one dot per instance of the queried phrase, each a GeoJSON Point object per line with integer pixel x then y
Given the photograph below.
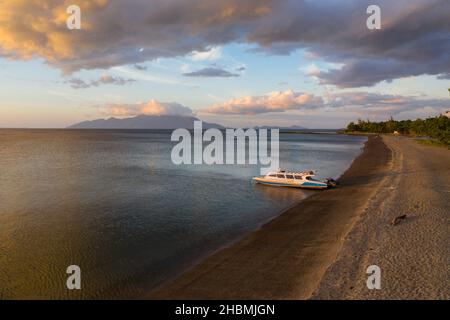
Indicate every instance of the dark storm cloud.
{"type": "Point", "coordinates": [414, 39]}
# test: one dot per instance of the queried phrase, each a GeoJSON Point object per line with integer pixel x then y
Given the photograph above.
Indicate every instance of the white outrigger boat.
{"type": "Point", "coordinates": [304, 179]}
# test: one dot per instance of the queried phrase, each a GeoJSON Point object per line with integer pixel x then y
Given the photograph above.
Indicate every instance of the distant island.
{"type": "Point", "coordinates": [144, 122]}
{"type": "Point", "coordinates": [160, 122]}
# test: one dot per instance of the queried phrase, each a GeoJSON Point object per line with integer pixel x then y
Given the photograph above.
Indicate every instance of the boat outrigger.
{"type": "Point", "coordinates": [304, 179]}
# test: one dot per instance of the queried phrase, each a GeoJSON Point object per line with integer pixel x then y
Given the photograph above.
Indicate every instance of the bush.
{"type": "Point", "coordinates": [437, 127]}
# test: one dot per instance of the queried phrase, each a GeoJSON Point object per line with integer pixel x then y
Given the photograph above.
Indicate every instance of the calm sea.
{"type": "Point", "coordinates": [113, 203]}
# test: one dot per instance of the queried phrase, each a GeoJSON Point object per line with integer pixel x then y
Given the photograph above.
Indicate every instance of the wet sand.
{"type": "Point", "coordinates": [289, 256]}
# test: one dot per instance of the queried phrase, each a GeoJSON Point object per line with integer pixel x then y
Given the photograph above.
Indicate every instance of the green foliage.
{"type": "Point", "coordinates": [437, 127]}
{"type": "Point", "coordinates": [434, 143]}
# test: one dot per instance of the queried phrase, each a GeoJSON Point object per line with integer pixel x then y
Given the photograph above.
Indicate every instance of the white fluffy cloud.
{"type": "Point", "coordinates": [312, 70]}
{"type": "Point", "coordinates": [213, 53]}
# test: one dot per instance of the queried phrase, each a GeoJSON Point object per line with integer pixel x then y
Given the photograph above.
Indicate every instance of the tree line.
{"type": "Point", "coordinates": [435, 127]}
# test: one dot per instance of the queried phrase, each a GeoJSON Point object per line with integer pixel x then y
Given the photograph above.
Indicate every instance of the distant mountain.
{"type": "Point", "coordinates": [144, 122]}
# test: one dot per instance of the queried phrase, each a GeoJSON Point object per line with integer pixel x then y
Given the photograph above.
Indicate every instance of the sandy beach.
{"type": "Point", "coordinates": [320, 249]}
{"type": "Point", "coordinates": [413, 254]}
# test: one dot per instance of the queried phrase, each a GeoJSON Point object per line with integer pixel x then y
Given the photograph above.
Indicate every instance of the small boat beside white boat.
{"type": "Point", "coordinates": [304, 180]}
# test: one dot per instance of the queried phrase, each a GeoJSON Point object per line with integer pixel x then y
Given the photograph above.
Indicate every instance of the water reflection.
{"type": "Point", "coordinates": [113, 203]}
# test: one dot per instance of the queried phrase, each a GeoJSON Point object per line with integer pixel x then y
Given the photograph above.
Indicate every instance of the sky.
{"type": "Point", "coordinates": [237, 63]}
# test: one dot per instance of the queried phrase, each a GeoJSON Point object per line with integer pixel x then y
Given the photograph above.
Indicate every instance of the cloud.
{"type": "Point", "coordinates": [362, 103]}
{"type": "Point", "coordinates": [213, 53]}
{"type": "Point", "coordinates": [445, 76]}
{"type": "Point", "coordinates": [383, 104]}
{"type": "Point", "coordinates": [152, 107]}
{"type": "Point", "coordinates": [312, 70]}
{"type": "Point", "coordinates": [77, 83]}
{"type": "Point", "coordinates": [367, 72]}
{"type": "Point", "coordinates": [414, 39]}
{"type": "Point", "coordinates": [116, 32]}
{"type": "Point", "coordinates": [273, 102]}
{"type": "Point", "coordinates": [140, 67]}
{"type": "Point", "coordinates": [211, 72]}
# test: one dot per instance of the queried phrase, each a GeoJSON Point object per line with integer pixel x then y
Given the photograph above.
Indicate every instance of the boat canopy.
{"type": "Point", "coordinates": [283, 172]}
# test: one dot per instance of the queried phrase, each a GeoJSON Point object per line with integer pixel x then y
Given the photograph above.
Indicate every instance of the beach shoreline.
{"type": "Point", "coordinates": [321, 247]}
{"type": "Point", "coordinates": [404, 230]}
{"type": "Point", "coordinates": [226, 274]}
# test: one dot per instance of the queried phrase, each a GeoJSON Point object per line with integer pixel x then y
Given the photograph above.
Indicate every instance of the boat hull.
{"type": "Point", "coordinates": [294, 184]}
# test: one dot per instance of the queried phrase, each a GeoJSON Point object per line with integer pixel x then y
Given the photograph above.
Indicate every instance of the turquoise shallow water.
{"type": "Point", "coordinates": [113, 203]}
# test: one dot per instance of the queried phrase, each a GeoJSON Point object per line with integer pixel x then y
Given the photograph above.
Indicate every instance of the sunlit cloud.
{"type": "Point", "coordinates": [360, 103]}
{"type": "Point", "coordinates": [413, 39]}
{"type": "Point", "coordinates": [116, 32]}
{"type": "Point", "coordinates": [150, 108]}
{"type": "Point", "coordinates": [273, 102]}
